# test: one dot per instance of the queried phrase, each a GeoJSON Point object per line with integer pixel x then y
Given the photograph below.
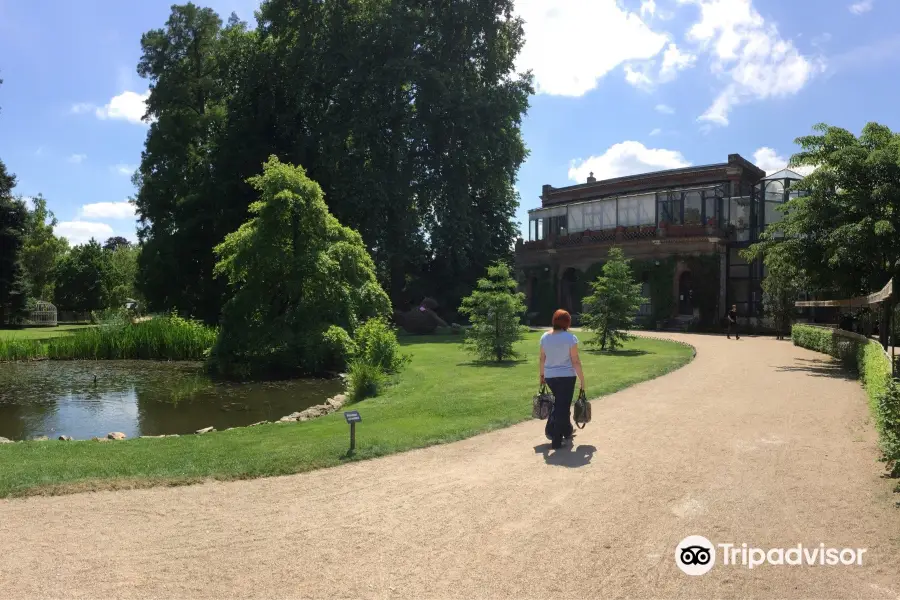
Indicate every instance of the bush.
{"type": "Point", "coordinates": [338, 348]}
{"type": "Point", "coordinates": [495, 310]}
{"type": "Point", "coordinates": [868, 359]}
{"type": "Point", "coordinates": [364, 380]}
{"type": "Point", "coordinates": [376, 345]}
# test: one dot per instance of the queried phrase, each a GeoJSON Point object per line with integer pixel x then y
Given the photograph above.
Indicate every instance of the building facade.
{"type": "Point", "coordinates": [683, 230]}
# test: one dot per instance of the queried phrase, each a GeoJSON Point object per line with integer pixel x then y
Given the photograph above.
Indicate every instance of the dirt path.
{"type": "Point", "coordinates": [756, 441]}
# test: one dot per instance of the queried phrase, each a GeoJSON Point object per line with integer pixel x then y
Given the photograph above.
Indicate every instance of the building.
{"type": "Point", "coordinates": [682, 228]}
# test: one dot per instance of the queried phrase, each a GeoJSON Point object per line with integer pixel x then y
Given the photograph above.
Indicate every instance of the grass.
{"type": "Point", "coordinates": [441, 396]}
{"type": "Point", "coordinates": [163, 338]}
{"type": "Point", "coordinates": [40, 333]}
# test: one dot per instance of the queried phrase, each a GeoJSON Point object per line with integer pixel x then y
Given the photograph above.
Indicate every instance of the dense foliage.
{"type": "Point", "coordinates": [610, 311]}
{"type": "Point", "coordinates": [841, 225]}
{"type": "Point", "coordinates": [495, 311]}
{"type": "Point", "coordinates": [295, 273]}
{"type": "Point", "coordinates": [407, 113]}
{"type": "Point", "coordinates": [13, 218]}
{"type": "Point", "coordinates": [42, 249]}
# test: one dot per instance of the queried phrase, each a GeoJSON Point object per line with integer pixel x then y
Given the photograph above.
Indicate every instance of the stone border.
{"type": "Point", "coordinates": [330, 405]}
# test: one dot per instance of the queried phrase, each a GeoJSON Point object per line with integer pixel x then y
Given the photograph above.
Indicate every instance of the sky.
{"type": "Point", "coordinates": [622, 87]}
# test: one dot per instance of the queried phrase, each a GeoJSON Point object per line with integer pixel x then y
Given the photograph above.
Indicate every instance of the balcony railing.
{"type": "Point", "coordinates": [624, 234]}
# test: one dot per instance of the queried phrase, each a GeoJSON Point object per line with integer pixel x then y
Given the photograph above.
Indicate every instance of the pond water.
{"type": "Point", "coordinates": [56, 398]}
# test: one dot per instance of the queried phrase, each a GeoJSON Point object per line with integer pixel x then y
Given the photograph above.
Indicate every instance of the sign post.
{"type": "Point", "coordinates": [352, 417]}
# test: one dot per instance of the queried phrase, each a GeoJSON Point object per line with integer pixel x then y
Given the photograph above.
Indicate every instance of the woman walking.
{"type": "Point", "coordinates": [560, 365]}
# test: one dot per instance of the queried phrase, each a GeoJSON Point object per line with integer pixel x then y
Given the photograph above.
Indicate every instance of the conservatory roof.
{"type": "Point", "coordinates": [784, 174]}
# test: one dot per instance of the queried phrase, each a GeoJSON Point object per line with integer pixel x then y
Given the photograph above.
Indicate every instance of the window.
{"type": "Point", "coordinates": [711, 207]}
{"type": "Point", "coordinates": [669, 206]}
{"type": "Point", "coordinates": [774, 191]}
{"type": "Point", "coordinates": [693, 208]}
{"type": "Point", "coordinates": [636, 210]}
{"type": "Point", "coordinates": [576, 218]}
{"type": "Point", "coordinates": [739, 291]}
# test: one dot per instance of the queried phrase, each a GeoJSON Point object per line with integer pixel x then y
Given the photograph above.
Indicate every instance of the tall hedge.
{"type": "Point", "coordinates": [869, 360]}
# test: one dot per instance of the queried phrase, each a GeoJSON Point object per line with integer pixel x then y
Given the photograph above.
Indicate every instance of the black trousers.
{"type": "Point", "coordinates": [559, 425]}
{"type": "Point", "coordinates": [733, 329]}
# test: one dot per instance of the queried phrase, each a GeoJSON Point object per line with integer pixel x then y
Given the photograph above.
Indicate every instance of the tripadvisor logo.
{"type": "Point", "coordinates": [696, 555]}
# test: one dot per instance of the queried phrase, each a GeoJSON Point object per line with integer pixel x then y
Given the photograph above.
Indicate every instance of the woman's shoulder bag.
{"type": "Point", "coordinates": [542, 403]}
{"type": "Point", "coordinates": [582, 410]}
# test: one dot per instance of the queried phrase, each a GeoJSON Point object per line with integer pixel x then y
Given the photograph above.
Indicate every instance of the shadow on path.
{"type": "Point", "coordinates": [818, 368]}
{"type": "Point", "coordinates": [567, 456]}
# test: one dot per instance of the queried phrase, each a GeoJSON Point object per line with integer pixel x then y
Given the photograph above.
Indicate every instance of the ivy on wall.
{"type": "Point", "coordinates": [543, 295]}
{"type": "Point", "coordinates": [661, 283]}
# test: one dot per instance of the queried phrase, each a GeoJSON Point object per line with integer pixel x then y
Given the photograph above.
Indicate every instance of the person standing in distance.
{"type": "Point", "coordinates": [732, 323]}
{"type": "Point", "coordinates": [560, 364]}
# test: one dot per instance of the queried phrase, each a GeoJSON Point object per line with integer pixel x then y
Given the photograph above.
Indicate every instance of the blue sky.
{"type": "Point", "coordinates": [624, 87]}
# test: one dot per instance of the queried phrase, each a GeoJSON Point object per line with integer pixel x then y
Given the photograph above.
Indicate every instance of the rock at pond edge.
{"type": "Point", "coordinates": [115, 435]}
{"type": "Point", "coordinates": [40, 438]}
{"type": "Point", "coordinates": [65, 438]}
{"type": "Point", "coordinates": [206, 430]}
{"type": "Point", "coordinates": [4, 440]}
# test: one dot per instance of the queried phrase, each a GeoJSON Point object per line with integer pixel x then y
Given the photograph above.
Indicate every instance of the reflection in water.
{"type": "Point", "coordinates": [91, 398]}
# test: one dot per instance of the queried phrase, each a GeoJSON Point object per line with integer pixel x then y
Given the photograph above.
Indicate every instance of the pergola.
{"type": "Point", "coordinates": [880, 299]}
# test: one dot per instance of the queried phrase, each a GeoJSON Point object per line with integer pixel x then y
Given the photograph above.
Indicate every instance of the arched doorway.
{"type": "Point", "coordinates": [568, 289]}
{"type": "Point", "coordinates": [685, 294]}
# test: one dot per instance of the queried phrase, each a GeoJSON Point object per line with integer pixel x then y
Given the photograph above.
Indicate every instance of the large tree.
{"type": "Point", "coordinates": [13, 221]}
{"type": "Point", "coordinates": [406, 112]}
{"type": "Point", "coordinates": [841, 225]}
{"type": "Point", "coordinates": [42, 249]}
{"type": "Point", "coordinates": [296, 274]}
{"type": "Point", "coordinates": [82, 278]}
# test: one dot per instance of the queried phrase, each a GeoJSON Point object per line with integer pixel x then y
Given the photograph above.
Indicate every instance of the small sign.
{"type": "Point", "coordinates": [352, 416]}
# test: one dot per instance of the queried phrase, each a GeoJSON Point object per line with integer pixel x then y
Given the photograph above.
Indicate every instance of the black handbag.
{"type": "Point", "coordinates": [542, 403]}
{"type": "Point", "coordinates": [582, 410]}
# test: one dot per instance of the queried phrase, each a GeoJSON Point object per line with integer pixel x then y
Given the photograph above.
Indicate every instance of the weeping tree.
{"type": "Point", "coordinates": [610, 311]}
{"type": "Point", "coordinates": [301, 283]}
{"type": "Point", "coordinates": [495, 310]}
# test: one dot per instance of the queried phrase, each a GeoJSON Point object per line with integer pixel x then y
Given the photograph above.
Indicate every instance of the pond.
{"type": "Point", "coordinates": [56, 398]}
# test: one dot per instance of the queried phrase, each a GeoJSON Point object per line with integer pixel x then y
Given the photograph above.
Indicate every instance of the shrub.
{"type": "Point", "coordinates": [376, 345]}
{"type": "Point", "coordinates": [338, 348]}
{"type": "Point", "coordinates": [868, 359]}
{"type": "Point", "coordinates": [364, 380]}
{"type": "Point", "coordinates": [495, 310]}
{"type": "Point", "coordinates": [610, 311]}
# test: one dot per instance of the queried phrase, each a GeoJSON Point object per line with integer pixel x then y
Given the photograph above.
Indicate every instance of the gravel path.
{"type": "Point", "coordinates": [755, 441]}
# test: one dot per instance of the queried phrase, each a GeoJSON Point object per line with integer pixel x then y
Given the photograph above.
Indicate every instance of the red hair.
{"type": "Point", "coordinates": [561, 320]}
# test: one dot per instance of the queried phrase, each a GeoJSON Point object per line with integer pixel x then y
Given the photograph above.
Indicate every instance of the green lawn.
{"type": "Point", "coordinates": [39, 333]}
{"type": "Point", "coordinates": [441, 396]}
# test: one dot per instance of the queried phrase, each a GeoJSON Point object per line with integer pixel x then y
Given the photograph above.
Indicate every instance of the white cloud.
{"type": "Point", "coordinates": [626, 158]}
{"type": "Point", "coordinates": [571, 44]}
{"type": "Point", "coordinates": [665, 109]}
{"type": "Point", "coordinates": [80, 232]}
{"type": "Point", "coordinates": [127, 106]}
{"type": "Point", "coordinates": [127, 170]}
{"type": "Point", "coordinates": [638, 77]}
{"type": "Point", "coordinates": [77, 158]}
{"type": "Point", "coordinates": [648, 7]}
{"type": "Point", "coordinates": [750, 54]}
{"type": "Point", "coordinates": [768, 160]}
{"type": "Point", "coordinates": [108, 210]}
{"type": "Point", "coordinates": [675, 60]}
{"type": "Point", "coordinates": [82, 107]}
{"type": "Point", "coordinates": [656, 131]}
{"type": "Point", "coordinates": [863, 6]}
{"type": "Point", "coordinates": [771, 162]}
